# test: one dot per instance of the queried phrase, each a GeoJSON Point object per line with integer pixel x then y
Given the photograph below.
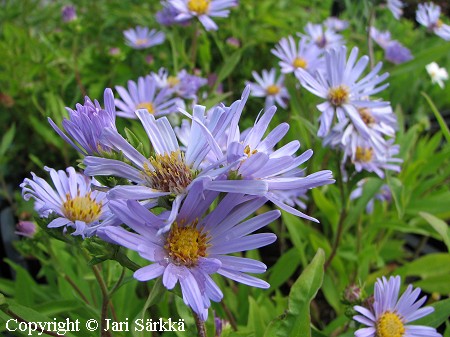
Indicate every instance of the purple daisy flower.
{"type": "Point", "coordinates": [167, 16]}
{"type": "Point", "coordinates": [305, 55]}
{"type": "Point", "coordinates": [170, 171]}
{"type": "Point", "coordinates": [68, 13]}
{"type": "Point", "coordinates": [336, 24]}
{"type": "Point", "coordinates": [270, 87]}
{"type": "Point", "coordinates": [73, 201]}
{"type": "Point", "coordinates": [428, 15]}
{"type": "Point", "coordinates": [390, 315]}
{"type": "Point", "coordinates": [145, 94]}
{"type": "Point", "coordinates": [183, 85]}
{"type": "Point", "coordinates": [86, 123]}
{"type": "Point", "coordinates": [203, 10]}
{"type": "Point", "coordinates": [197, 244]}
{"type": "Point", "coordinates": [343, 90]}
{"type": "Point", "coordinates": [384, 194]}
{"type": "Point", "coordinates": [143, 37]}
{"type": "Point", "coordinates": [382, 38]}
{"type": "Point", "coordinates": [396, 8]}
{"type": "Point", "coordinates": [396, 53]}
{"type": "Point", "coordinates": [323, 38]}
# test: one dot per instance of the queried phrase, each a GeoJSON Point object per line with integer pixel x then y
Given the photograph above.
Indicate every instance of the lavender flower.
{"type": "Point", "coordinates": [167, 16]}
{"type": "Point", "coordinates": [26, 228]}
{"type": "Point", "coordinates": [382, 38]}
{"type": "Point", "coordinates": [270, 87]}
{"type": "Point", "coordinates": [145, 95]}
{"type": "Point", "coordinates": [384, 194]}
{"type": "Point", "coordinates": [305, 55]}
{"type": "Point", "coordinates": [183, 85]}
{"type": "Point", "coordinates": [396, 53]}
{"type": "Point", "coordinates": [396, 8]}
{"type": "Point", "coordinates": [342, 90]}
{"type": "Point", "coordinates": [389, 316]}
{"type": "Point", "coordinates": [74, 203]}
{"type": "Point", "coordinates": [197, 244]}
{"type": "Point", "coordinates": [336, 24]}
{"type": "Point", "coordinates": [68, 13]}
{"type": "Point", "coordinates": [86, 123]}
{"type": "Point", "coordinates": [323, 38]}
{"type": "Point", "coordinates": [142, 37]}
{"type": "Point", "coordinates": [203, 10]}
{"type": "Point", "coordinates": [428, 15]}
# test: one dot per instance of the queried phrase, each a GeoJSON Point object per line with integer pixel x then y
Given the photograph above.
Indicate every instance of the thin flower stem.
{"type": "Point", "coordinates": [340, 226]}
{"type": "Point", "coordinates": [230, 316]}
{"type": "Point", "coordinates": [77, 290]}
{"type": "Point", "coordinates": [105, 301]}
{"type": "Point", "coordinates": [201, 329]}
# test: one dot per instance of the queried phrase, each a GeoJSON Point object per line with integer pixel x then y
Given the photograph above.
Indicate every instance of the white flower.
{"type": "Point", "coordinates": [438, 75]}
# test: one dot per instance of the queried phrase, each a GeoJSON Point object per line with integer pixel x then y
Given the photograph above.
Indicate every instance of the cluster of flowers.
{"type": "Point", "coordinates": [187, 238]}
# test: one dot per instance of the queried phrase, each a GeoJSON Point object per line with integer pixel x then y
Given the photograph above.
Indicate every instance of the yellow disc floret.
{"type": "Point", "coordinates": [390, 324]}
{"type": "Point", "coordinates": [186, 244]}
{"type": "Point", "coordinates": [248, 151]}
{"type": "Point", "coordinates": [146, 105]}
{"type": "Point", "coordinates": [199, 6]}
{"type": "Point", "coordinates": [82, 208]}
{"type": "Point", "coordinates": [366, 116]}
{"type": "Point", "coordinates": [363, 154]}
{"type": "Point", "coordinates": [141, 42]}
{"type": "Point", "coordinates": [172, 81]}
{"type": "Point", "coordinates": [273, 89]}
{"type": "Point", "coordinates": [339, 95]}
{"type": "Point", "coordinates": [169, 172]}
{"type": "Point", "coordinates": [300, 63]}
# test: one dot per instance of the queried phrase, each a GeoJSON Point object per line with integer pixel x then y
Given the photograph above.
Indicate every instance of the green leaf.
{"type": "Point", "coordinates": [255, 317]}
{"type": "Point", "coordinates": [297, 321]}
{"type": "Point", "coordinates": [155, 295]}
{"type": "Point", "coordinates": [228, 67]}
{"type": "Point", "coordinates": [431, 265]}
{"type": "Point", "coordinates": [439, 316]}
{"type": "Point", "coordinates": [371, 187]}
{"type": "Point", "coordinates": [284, 268]}
{"type": "Point", "coordinates": [7, 140]}
{"type": "Point", "coordinates": [438, 116]}
{"type": "Point", "coordinates": [440, 226]}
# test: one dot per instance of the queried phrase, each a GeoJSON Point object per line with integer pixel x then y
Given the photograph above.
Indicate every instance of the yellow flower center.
{"type": "Point", "coordinates": [146, 105]}
{"type": "Point", "coordinates": [82, 208]}
{"type": "Point", "coordinates": [172, 81]}
{"type": "Point", "coordinates": [249, 151]}
{"type": "Point", "coordinates": [439, 23]}
{"type": "Point", "coordinates": [366, 116]}
{"type": "Point", "coordinates": [339, 95]}
{"type": "Point", "coordinates": [300, 63]}
{"type": "Point", "coordinates": [141, 42]}
{"type": "Point", "coordinates": [363, 154]}
{"type": "Point", "coordinates": [185, 244]}
{"type": "Point", "coordinates": [170, 172]}
{"type": "Point", "coordinates": [198, 6]}
{"type": "Point", "coordinates": [273, 89]}
{"type": "Point", "coordinates": [390, 325]}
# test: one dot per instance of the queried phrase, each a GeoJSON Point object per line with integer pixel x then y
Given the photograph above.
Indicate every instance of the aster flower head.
{"type": "Point", "coordinates": [197, 244]}
{"type": "Point", "coordinates": [428, 15]}
{"type": "Point", "coordinates": [336, 24]}
{"type": "Point", "coordinates": [396, 8]}
{"type": "Point", "coordinates": [142, 37]}
{"type": "Point", "coordinates": [305, 55]}
{"type": "Point", "coordinates": [203, 10]}
{"type": "Point", "coordinates": [270, 87]}
{"type": "Point", "coordinates": [167, 16]}
{"type": "Point", "coordinates": [85, 124]}
{"type": "Point", "coordinates": [438, 75]}
{"type": "Point", "coordinates": [68, 13]}
{"type": "Point", "coordinates": [72, 201]}
{"type": "Point", "coordinates": [183, 84]}
{"type": "Point", "coordinates": [342, 88]}
{"type": "Point", "coordinates": [145, 94]}
{"type": "Point", "coordinates": [324, 38]}
{"type": "Point", "coordinates": [390, 315]}
{"type": "Point", "coordinates": [382, 38]}
{"type": "Point", "coordinates": [396, 53]}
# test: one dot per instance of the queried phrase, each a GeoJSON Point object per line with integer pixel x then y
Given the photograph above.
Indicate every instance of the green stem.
{"type": "Point", "coordinates": [20, 319]}
{"type": "Point", "coordinates": [105, 301]}
{"type": "Point", "coordinates": [201, 328]}
{"type": "Point", "coordinates": [194, 45]}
